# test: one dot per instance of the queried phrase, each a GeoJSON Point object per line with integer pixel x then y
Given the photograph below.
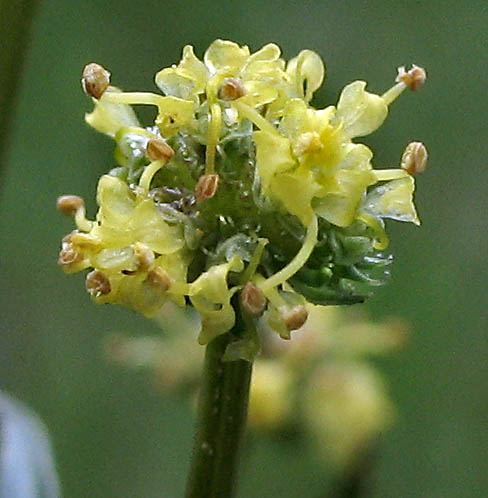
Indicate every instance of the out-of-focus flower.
{"type": "Point", "coordinates": [240, 181]}
{"type": "Point", "coordinates": [320, 383]}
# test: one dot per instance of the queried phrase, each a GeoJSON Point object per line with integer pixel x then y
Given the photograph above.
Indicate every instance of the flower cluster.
{"type": "Point", "coordinates": [241, 197]}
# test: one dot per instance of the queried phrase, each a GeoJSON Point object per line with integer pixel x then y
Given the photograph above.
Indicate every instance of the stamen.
{"type": "Point", "coordinates": [68, 255]}
{"type": "Point", "coordinates": [157, 148]}
{"type": "Point", "coordinates": [206, 187]}
{"type": "Point", "coordinates": [297, 262]}
{"type": "Point", "coordinates": [69, 204]}
{"type": "Point", "coordinates": [414, 78]}
{"type": "Point", "coordinates": [231, 89]}
{"type": "Point", "coordinates": [253, 299]}
{"type": "Point", "coordinates": [72, 205]}
{"type": "Point", "coordinates": [248, 112]}
{"type": "Point", "coordinates": [135, 98]}
{"type": "Point", "coordinates": [95, 80]}
{"type": "Point", "coordinates": [295, 317]}
{"type": "Point", "coordinates": [414, 159]}
{"type": "Point", "coordinates": [383, 175]}
{"type": "Point", "coordinates": [97, 283]}
{"type": "Point", "coordinates": [158, 151]}
{"type": "Point", "coordinates": [214, 128]}
{"type": "Point", "coordinates": [144, 256]}
{"type": "Point", "coordinates": [159, 279]}
{"type": "Point", "coordinates": [148, 174]}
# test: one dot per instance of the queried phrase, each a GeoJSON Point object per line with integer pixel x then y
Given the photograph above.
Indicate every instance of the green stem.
{"type": "Point", "coordinates": [15, 21]}
{"type": "Point", "coordinates": [221, 421]}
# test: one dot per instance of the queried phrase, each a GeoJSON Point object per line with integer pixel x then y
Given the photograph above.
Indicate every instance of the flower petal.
{"type": "Point", "coordinates": [361, 112]}
{"type": "Point", "coordinates": [210, 295]}
{"type": "Point", "coordinates": [393, 200]}
{"type": "Point", "coordinates": [308, 71]}
{"type": "Point", "coordinates": [187, 79]}
{"type": "Point", "coordinates": [225, 57]}
{"type": "Point", "coordinates": [273, 155]}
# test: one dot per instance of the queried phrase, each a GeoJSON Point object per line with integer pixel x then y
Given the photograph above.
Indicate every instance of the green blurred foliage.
{"type": "Point", "coordinates": [113, 435]}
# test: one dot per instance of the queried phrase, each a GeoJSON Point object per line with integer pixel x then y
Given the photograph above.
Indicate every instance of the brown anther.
{"type": "Point", "coordinates": [68, 255]}
{"type": "Point", "coordinates": [253, 299]}
{"type": "Point", "coordinates": [97, 283]}
{"type": "Point", "coordinates": [69, 204]}
{"type": "Point", "coordinates": [414, 159]}
{"type": "Point", "coordinates": [231, 89]}
{"type": "Point", "coordinates": [95, 80]}
{"type": "Point", "coordinates": [295, 317]}
{"type": "Point", "coordinates": [144, 256]}
{"type": "Point", "coordinates": [206, 187]}
{"type": "Point", "coordinates": [414, 78]}
{"type": "Point", "coordinates": [159, 279]}
{"type": "Point", "coordinates": [157, 148]}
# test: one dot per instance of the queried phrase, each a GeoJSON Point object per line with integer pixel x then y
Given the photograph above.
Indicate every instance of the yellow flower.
{"type": "Point", "coordinates": [309, 165]}
{"type": "Point", "coordinates": [130, 245]}
{"type": "Point", "coordinates": [262, 74]}
{"type": "Point", "coordinates": [230, 186]}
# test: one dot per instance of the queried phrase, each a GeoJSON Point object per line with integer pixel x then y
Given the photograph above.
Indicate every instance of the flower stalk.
{"type": "Point", "coordinates": [222, 415]}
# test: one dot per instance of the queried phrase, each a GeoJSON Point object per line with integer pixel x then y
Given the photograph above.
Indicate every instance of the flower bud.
{"type": "Point", "coordinates": [295, 317]}
{"type": "Point", "coordinates": [144, 256]}
{"type": "Point", "coordinates": [159, 279]}
{"type": "Point", "coordinates": [97, 283]}
{"type": "Point", "coordinates": [95, 80]}
{"type": "Point", "coordinates": [414, 159]}
{"type": "Point", "coordinates": [253, 299]}
{"type": "Point", "coordinates": [206, 187]}
{"type": "Point", "coordinates": [157, 148]}
{"type": "Point", "coordinates": [69, 204]}
{"type": "Point", "coordinates": [414, 78]}
{"type": "Point", "coordinates": [231, 89]}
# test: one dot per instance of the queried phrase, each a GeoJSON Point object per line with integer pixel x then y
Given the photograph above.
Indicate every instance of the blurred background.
{"type": "Point", "coordinates": [113, 434]}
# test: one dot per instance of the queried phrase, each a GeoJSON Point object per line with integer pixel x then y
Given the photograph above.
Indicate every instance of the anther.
{"type": "Point", "coordinates": [97, 283]}
{"type": "Point", "coordinates": [157, 148]}
{"type": "Point", "coordinates": [253, 299]}
{"type": "Point", "coordinates": [206, 187]}
{"type": "Point", "coordinates": [231, 89]}
{"type": "Point", "coordinates": [95, 80]}
{"type": "Point", "coordinates": [295, 317]}
{"type": "Point", "coordinates": [144, 256]}
{"type": "Point", "coordinates": [68, 255]}
{"type": "Point", "coordinates": [414, 78]}
{"type": "Point", "coordinates": [69, 204]}
{"type": "Point", "coordinates": [414, 158]}
{"type": "Point", "coordinates": [159, 279]}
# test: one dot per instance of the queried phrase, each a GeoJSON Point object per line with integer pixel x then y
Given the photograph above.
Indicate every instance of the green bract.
{"type": "Point", "coordinates": [238, 181]}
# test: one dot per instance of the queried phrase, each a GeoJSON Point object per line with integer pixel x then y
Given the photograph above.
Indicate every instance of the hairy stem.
{"type": "Point", "coordinates": [221, 422]}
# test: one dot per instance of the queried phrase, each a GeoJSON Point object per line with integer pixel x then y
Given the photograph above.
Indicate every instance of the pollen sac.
{"type": "Point", "coordinates": [68, 255]}
{"type": "Point", "coordinates": [144, 256]}
{"type": "Point", "coordinates": [206, 187]}
{"type": "Point", "coordinates": [295, 317]}
{"type": "Point", "coordinates": [253, 299]}
{"type": "Point", "coordinates": [231, 89]}
{"type": "Point", "coordinates": [95, 80]}
{"type": "Point", "coordinates": [414, 78]}
{"type": "Point", "coordinates": [159, 279]}
{"type": "Point", "coordinates": [69, 204]}
{"type": "Point", "coordinates": [414, 159]}
{"type": "Point", "coordinates": [97, 283]}
{"type": "Point", "coordinates": [157, 149]}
